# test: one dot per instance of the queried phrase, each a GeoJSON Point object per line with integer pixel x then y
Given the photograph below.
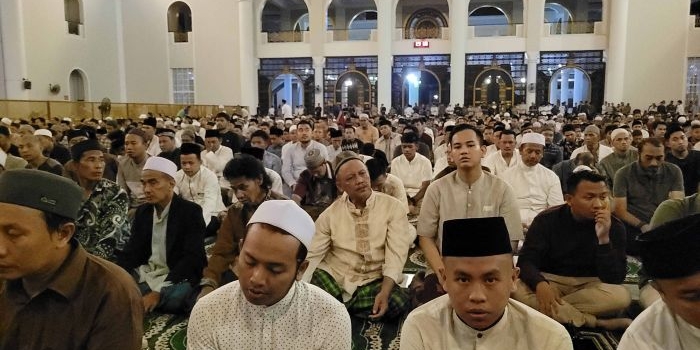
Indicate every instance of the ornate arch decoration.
{"type": "Point", "coordinates": [508, 89]}
{"type": "Point", "coordinates": [426, 23]}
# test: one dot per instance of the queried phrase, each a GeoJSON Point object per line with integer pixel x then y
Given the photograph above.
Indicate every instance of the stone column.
{"type": "Point", "coordinates": [385, 28]}
{"type": "Point", "coordinates": [248, 67]}
{"type": "Point", "coordinates": [458, 49]}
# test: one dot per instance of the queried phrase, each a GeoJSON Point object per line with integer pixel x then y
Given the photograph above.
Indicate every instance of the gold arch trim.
{"type": "Point", "coordinates": [490, 68]}
{"type": "Point", "coordinates": [350, 71]}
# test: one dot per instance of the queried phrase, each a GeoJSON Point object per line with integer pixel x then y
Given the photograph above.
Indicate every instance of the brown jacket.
{"type": "Point", "coordinates": [225, 252]}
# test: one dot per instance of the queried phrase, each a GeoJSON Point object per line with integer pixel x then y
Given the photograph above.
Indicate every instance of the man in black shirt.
{"type": "Point", "coordinates": [228, 138]}
{"type": "Point", "coordinates": [687, 160]}
{"type": "Point", "coordinates": [573, 260]}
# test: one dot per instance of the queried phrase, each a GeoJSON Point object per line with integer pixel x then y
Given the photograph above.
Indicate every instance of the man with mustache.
{"type": "Point", "coordinates": [361, 245]}
{"type": "Point", "coordinates": [641, 186]}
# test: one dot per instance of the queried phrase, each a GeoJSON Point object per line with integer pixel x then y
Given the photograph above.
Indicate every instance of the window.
{"type": "Point", "coordinates": [73, 16]}
{"type": "Point", "coordinates": [183, 85]}
{"type": "Point", "coordinates": [180, 21]}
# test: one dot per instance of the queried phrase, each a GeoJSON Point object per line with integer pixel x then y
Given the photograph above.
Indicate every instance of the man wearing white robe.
{"type": "Point", "coordinates": [536, 187]}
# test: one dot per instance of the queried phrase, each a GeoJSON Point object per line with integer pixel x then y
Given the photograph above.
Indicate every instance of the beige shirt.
{"type": "Point", "coordinates": [412, 173]}
{"type": "Point", "coordinates": [216, 162]}
{"type": "Point", "coordinates": [536, 188]}
{"type": "Point", "coordinates": [388, 146]}
{"type": "Point", "coordinates": [393, 186]}
{"type": "Point", "coordinates": [436, 326]}
{"type": "Point", "coordinates": [451, 198]}
{"type": "Point", "coordinates": [357, 247]}
{"type": "Point", "coordinates": [657, 328]}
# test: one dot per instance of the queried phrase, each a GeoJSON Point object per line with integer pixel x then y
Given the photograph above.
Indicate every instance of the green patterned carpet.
{"type": "Point", "coordinates": [168, 332]}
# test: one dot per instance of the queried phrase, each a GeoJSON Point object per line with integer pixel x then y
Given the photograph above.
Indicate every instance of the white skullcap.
{"type": "Point", "coordinates": [196, 123]}
{"type": "Point", "coordinates": [598, 118]}
{"type": "Point", "coordinates": [364, 116]}
{"type": "Point", "coordinates": [682, 120]}
{"type": "Point", "coordinates": [161, 164]}
{"type": "Point", "coordinates": [43, 132]}
{"type": "Point", "coordinates": [143, 116]}
{"type": "Point", "coordinates": [695, 122]}
{"type": "Point", "coordinates": [497, 118]}
{"type": "Point", "coordinates": [532, 137]}
{"type": "Point", "coordinates": [67, 119]}
{"type": "Point", "coordinates": [651, 117]}
{"type": "Point", "coordinates": [221, 107]}
{"type": "Point", "coordinates": [582, 168]}
{"type": "Point", "coordinates": [7, 121]}
{"type": "Point", "coordinates": [536, 125]}
{"type": "Point", "coordinates": [618, 132]}
{"type": "Point", "coordinates": [178, 119]}
{"type": "Point", "coordinates": [109, 118]}
{"type": "Point", "coordinates": [159, 119]}
{"type": "Point", "coordinates": [581, 114]}
{"type": "Point", "coordinates": [506, 114]}
{"type": "Point", "coordinates": [292, 128]}
{"type": "Point", "coordinates": [288, 216]}
{"type": "Point", "coordinates": [449, 123]}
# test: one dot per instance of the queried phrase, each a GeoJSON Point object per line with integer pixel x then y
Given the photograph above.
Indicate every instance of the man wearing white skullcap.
{"type": "Point", "coordinates": [623, 154]}
{"type": "Point", "coordinates": [536, 187]}
{"type": "Point", "coordinates": [269, 307]}
{"type": "Point", "coordinates": [165, 253]}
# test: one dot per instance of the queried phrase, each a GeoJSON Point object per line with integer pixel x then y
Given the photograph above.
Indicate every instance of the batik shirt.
{"type": "Point", "coordinates": [102, 226]}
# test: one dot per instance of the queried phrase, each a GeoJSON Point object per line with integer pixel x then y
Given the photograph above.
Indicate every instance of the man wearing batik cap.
{"type": "Point", "coordinates": [536, 187]}
{"type": "Point", "coordinates": [53, 294]}
{"type": "Point", "coordinates": [670, 256]}
{"type": "Point", "coordinates": [315, 189]}
{"type": "Point", "coordinates": [149, 128]}
{"type": "Point", "coordinates": [591, 144]}
{"type": "Point", "coordinates": [269, 306]}
{"type": "Point", "coordinates": [361, 245]}
{"type": "Point", "coordinates": [165, 253]}
{"type": "Point", "coordinates": [622, 155]}
{"type": "Point", "coordinates": [477, 311]}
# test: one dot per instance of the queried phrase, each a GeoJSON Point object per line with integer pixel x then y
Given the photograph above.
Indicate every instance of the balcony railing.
{"type": "Point", "coordinates": [351, 34]}
{"type": "Point", "coordinates": [571, 28]}
{"type": "Point", "coordinates": [289, 36]}
{"type": "Point", "coordinates": [494, 30]}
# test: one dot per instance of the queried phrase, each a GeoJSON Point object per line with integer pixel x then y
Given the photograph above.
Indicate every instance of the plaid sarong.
{"type": "Point", "coordinates": [362, 301]}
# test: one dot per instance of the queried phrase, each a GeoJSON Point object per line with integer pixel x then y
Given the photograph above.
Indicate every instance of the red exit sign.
{"type": "Point", "coordinates": [419, 44]}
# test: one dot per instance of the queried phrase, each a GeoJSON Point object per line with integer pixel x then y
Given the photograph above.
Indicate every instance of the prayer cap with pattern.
{"type": "Point", "coordinates": [475, 237]}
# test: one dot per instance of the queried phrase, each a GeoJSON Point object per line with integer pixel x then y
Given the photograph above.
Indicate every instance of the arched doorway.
{"type": "Point", "coordinates": [361, 25]}
{"type": "Point", "coordinates": [571, 85]}
{"type": "Point", "coordinates": [77, 85]}
{"type": "Point", "coordinates": [284, 20]}
{"type": "Point", "coordinates": [489, 20]}
{"type": "Point", "coordinates": [493, 85]}
{"type": "Point", "coordinates": [559, 16]}
{"type": "Point", "coordinates": [353, 88]}
{"type": "Point", "coordinates": [425, 24]}
{"type": "Point", "coordinates": [420, 87]}
{"type": "Point", "coordinates": [288, 87]}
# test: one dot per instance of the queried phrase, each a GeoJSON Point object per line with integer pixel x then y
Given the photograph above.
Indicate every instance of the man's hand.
{"type": "Point", "coordinates": [645, 228]}
{"type": "Point", "coordinates": [548, 299]}
{"type": "Point", "coordinates": [150, 301]}
{"type": "Point", "coordinates": [602, 225]}
{"type": "Point", "coordinates": [205, 290]}
{"type": "Point", "coordinates": [381, 304]}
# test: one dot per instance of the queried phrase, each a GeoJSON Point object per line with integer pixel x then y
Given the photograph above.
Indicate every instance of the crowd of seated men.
{"type": "Point", "coordinates": [273, 231]}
